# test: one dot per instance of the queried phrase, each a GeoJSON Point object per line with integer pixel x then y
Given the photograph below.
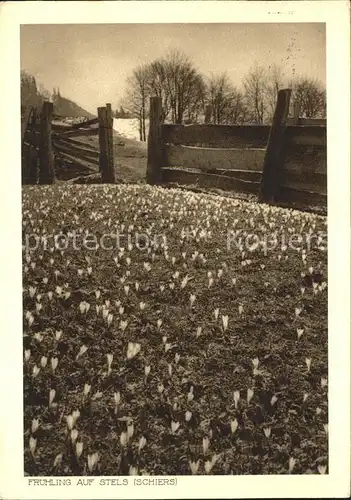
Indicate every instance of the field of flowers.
{"type": "Point", "coordinates": [169, 332]}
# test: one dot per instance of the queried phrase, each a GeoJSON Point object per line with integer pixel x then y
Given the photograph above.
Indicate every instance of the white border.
{"type": "Point", "coordinates": [336, 14]}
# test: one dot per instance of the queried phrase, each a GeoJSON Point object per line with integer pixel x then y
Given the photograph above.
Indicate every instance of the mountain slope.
{"type": "Point", "coordinates": [66, 107]}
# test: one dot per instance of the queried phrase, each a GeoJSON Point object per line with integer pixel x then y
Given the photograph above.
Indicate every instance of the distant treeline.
{"type": "Point", "coordinates": [185, 92]}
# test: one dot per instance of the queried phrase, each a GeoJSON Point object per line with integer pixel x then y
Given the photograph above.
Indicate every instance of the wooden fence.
{"type": "Point", "coordinates": [48, 144]}
{"type": "Point", "coordinates": [285, 162]}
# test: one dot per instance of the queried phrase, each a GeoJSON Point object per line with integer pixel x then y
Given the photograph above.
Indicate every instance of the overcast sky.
{"type": "Point", "coordinates": [90, 63]}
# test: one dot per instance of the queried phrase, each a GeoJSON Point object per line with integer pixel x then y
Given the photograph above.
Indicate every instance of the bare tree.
{"type": "Point", "coordinates": [179, 84]}
{"type": "Point", "coordinates": [30, 95]}
{"type": "Point", "coordinates": [44, 92]}
{"type": "Point", "coordinates": [195, 99]}
{"type": "Point", "coordinates": [136, 100]}
{"type": "Point", "coordinates": [274, 82]}
{"type": "Point", "coordinates": [157, 84]}
{"type": "Point", "coordinates": [255, 85]}
{"type": "Point", "coordinates": [311, 97]}
{"type": "Point", "coordinates": [226, 101]}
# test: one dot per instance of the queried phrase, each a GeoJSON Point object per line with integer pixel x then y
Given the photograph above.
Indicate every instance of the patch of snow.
{"type": "Point", "coordinates": [129, 127]}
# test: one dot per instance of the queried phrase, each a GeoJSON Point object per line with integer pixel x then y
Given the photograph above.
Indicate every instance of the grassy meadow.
{"type": "Point", "coordinates": [171, 332]}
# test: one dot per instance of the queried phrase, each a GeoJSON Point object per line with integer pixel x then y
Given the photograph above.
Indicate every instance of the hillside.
{"type": "Point", "coordinates": [66, 107]}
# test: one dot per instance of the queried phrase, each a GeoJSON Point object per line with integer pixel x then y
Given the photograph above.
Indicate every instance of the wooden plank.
{"type": "Point", "coordinates": [304, 186]}
{"type": "Point", "coordinates": [109, 112]}
{"type": "Point", "coordinates": [30, 155]}
{"type": "Point", "coordinates": [105, 163]}
{"type": "Point", "coordinates": [310, 181]}
{"type": "Point", "coordinates": [80, 132]}
{"type": "Point", "coordinates": [235, 136]}
{"type": "Point", "coordinates": [66, 127]}
{"type": "Point", "coordinates": [155, 152]}
{"type": "Point", "coordinates": [91, 156]}
{"type": "Point", "coordinates": [109, 134]}
{"type": "Point", "coordinates": [273, 164]}
{"type": "Point", "coordinates": [33, 137]}
{"type": "Point", "coordinates": [306, 135]}
{"type": "Point", "coordinates": [46, 157]}
{"type": "Point", "coordinates": [76, 148]}
{"type": "Point", "coordinates": [310, 198]}
{"type": "Point", "coordinates": [28, 144]}
{"type": "Point", "coordinates": [303, 159]}
{"type": "Point", "coordinates": [245, 175]}
{"type": "Point", "coordinates": [24, 122]}
{"type": "Point", "coordinates": [33, 157]}
{"type": "Point", "coordinates": [60, 127]}
{"type": "Point", "coordinates": [77, 161]}
{"type": "Point", "coordinates": [212, 158]}
{"type": "Point", "coordinates": [205, 180]}
{"type": "Point", "coordinates": [88, 123]}
{"type": "Point", "coordinates": [313, 121]}
{"type": "Point", "coordinates": [76, 142]}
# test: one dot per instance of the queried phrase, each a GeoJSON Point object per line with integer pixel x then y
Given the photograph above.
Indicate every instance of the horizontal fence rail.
{"type": "Point", "coordinates": [207, 180]}
{"type": "Point", "coordinates": [231, 136]}
{"type": "Point", "coordinates": [210, 158]}
{"type": "Point", "coordinates": [65, 145]}
{"type": "Point", "coordinates": [232, 157]}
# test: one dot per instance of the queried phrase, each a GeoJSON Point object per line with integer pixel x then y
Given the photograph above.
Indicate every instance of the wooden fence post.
{"type": "Point", "coordinates": [155, 143]}
{"type": "Point", "coordinates": [272, 166]}
{"type": "Point", "coordinates": [296, 111]}
{"type": "Point", "coordinates": [46, 157]}
{"type": "Point", "coordinates": [106, 146]}
{"type": "Point", "coordinates": [111, 166]}
{"type": "Point", "coordinates": [27, 120]}
{"type": "Point", "coordinates": [208, 113]}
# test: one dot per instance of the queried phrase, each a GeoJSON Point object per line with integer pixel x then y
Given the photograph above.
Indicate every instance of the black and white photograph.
{"type": "Point", "coordinates": [175, 206]}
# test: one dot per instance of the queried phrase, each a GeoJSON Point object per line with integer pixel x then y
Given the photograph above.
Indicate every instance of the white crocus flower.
{"type": "Point", "coordinates": [86, 389]}
{"type": "Point", "coordinates": [54, 363]}
{"type": "Point", "coordinates": [194, 467]}
{"type": "Point", "coordinates": [225, 320]}
{"type": "Point", "coordinates": [236, 398]}
{"type": "Point", "coordinates": [52, 395]}
{"type": "Point", "coordinates": [249, 396]}
{"type": "Point", "coordinates": [32, 444]}
{"type": "Point", "coordinates": [292, 463]}
{"type": "Point", "coordinates": [188, 416]}
{"type": "Point", "coordinates": [308, 363]}
{"type": "Point", "coordinates": [267, 432]}
{"type": "Point", "coordinates": [123, 439]}
{"type": "Point", "coordinates": [142, 443]}
{"type": "Point", "coordinates": [299, 332]}
{"type": "Point", "coordinates": [82, 350]}
{"type": "Point", "coordinates": [74, 435]}
{"type": "Point", "coordinates": [35, 425]}
{"type": "Point", "coordinates": [233, 425]}
{"type": "Point", "coordinates": [205, 445]}
{"type": "Point", "coordinates": [92, 461]}
{"type": "Point", "coordinates": [274, 399]}
{"type": "Point", "coordinates": [174, 426]}
{"type": "Point", "coordinates": [79, 449]}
